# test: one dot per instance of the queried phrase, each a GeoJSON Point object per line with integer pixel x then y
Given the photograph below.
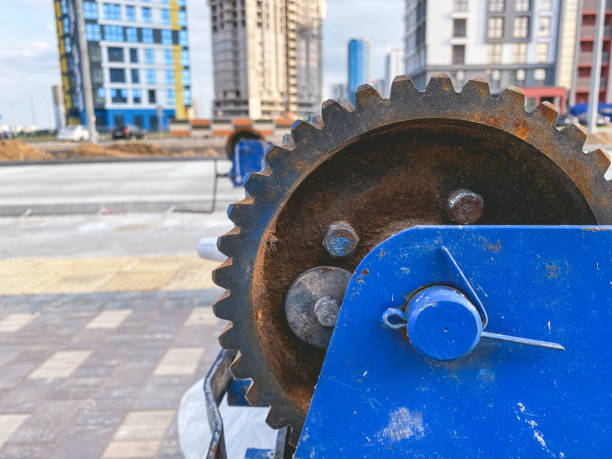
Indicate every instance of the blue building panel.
{"type": "Point", "coordinates": [358, 65]}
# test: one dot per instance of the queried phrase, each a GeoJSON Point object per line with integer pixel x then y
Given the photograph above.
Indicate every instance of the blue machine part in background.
{"type": "Point", "coordinates": [378, 396]}
{"type": "Point", "coordinates": [248, 158]}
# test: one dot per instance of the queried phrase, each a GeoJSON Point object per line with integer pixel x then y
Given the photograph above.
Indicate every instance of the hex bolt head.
{"type": "Point", "coordinates": [326, 310]}
{"type": "Point", "coordinates": [340, 240]}
{"type": "Point", "coordinates": [465, 207]}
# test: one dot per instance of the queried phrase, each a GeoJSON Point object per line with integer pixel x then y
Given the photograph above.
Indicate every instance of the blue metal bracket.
{"type": "Point", "coordinates": [380, 392]}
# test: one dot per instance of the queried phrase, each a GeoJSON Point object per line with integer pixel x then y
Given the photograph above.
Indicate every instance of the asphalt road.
{"type": "Point", "coordinates": [64, 189]}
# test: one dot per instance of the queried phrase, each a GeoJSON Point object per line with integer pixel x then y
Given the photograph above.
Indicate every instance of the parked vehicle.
{"type": "Point", "coordinates": [76, 133]}
{"type": "Point", "coordinates": [128, 132]}
{"type": "Point", "coordinates": [566, 119]}
{"type": "Point", "coordinates": [601, 119]}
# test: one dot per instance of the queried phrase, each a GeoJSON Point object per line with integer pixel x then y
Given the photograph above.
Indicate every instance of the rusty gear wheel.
{"type": "Point", "coordinates": [382, 166]}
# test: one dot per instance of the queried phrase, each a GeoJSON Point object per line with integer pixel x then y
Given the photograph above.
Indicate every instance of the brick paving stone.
{"type": "Point", "coordinates": [82, 441]}
{"type": "Point", "coordinates": [47, 422]}
{"type": "Point", "coordinates": [28, 450]}
{"type": "Point", "coordinates": [27, 396]}
{"type": "Point", "coordinates": [163, 392]}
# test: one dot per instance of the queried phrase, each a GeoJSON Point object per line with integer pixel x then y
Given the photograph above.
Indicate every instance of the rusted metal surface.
{"type": "Point", "coordinates": [383, 166]}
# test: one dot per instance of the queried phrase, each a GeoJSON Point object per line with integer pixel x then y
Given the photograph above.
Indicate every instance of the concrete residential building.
{"type": "Point", "coordinates": [359, 64]}
{"type": "Point", "coordinates": [338, 91]}
{"type": "Point", "coordinates": [267, 57]}
{"type": "Point", "coordinates": [138, 56]}
{"type": "Point", "coordinates": [582, 17]}
{"type": "Point", "coordinates": [509, 42]}
{"type": "Point", "coordinates": [394, 65]}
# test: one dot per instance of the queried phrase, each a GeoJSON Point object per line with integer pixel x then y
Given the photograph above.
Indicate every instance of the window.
{"type": "Point", "coordinates": [147, 35]}
{"type": "Point", "coordinates": [67, 44]}
{"type": "Point", "coordinates": [130, 13]}
{"type": "Point", "coordinates": [101, 93]}
{"type": "Point", "coordinates": [92, 32]}
{"type": "Point", "coordinates": [494, 53]}
{"type": "Point", "coordinates": [169, 76]}
{"type": "Point", "coordinates": [133, 55]}
{"type": "Point", "coordinates": [184, 58]}
{"type": "Point", "coordinates": [64, 7]}
{"type": "Point", "coordinates": [495, 28]}
{"type": "Point", "coordinates": [113, 33]}
{"type": "Point", "coordinates": [181, 2]}
{"type": "Point", "coordinates": [182, 18]}
{"type": "Point", "coordinates": [166, 37]}
{"type": "Point", "coordinates": [151, 96]}
{"type": "Point", "coordinates": [520, 75]}
{"type": "Point", "coordinates": [146, 15]}
{"type": "Point", "coordinates": [168, 59]}
{"type": "Point", "coordinates": [138, 119]}
{"type": "Point", "coordinates": [496, 6]}
{"type": "Point", "coordinates": [539, 74]}
{"type": "Point", "coordinates": [460, 6]}
{"type": "Point", "coordinates": [135, 75]}
{"type": "Point", "coordinates": [97, 75]}
{"type": "Point", "coordinates": [182, 37]}
{"type": "Point", "coordinates": [164, 2]}
{"type": "Point", "coordinates": [136, 96]}
{"type": "Point", "coordinates": [520, 53]}
{"type": "Point", "coordinates": [545, 5]}
{"type": "Point", "coordinates": [187, 96]}
{"type": "Point", "coordinates": [117, 75]}
{"type": "Point", "coordinates": [118, 96]}
{"type": "Point", "coordinates": [112, 12]}
{"type": "Point", "coordinates": [149, 56]}
{"type": "Point", "coordinates": [115, 54]}
{"type": "Point", "coordinates": [544, 30]}
{"type": "Point", "coordinates": [521, 6]}
{"type": "Point", "coordinates": [459, 28]}
{"type": "Point", "coordinates": [165, 16]}
{"type": "Point", "coordinates": [185, 77]}
{"type": "Point", "coordinates": [170, 97]}
{"type": "Point", "coordinates": [521, 27]}
{"type": "Point", "coordinates": [150, 76]}
{"type": "Point", "coordinates": [90, 10]}
{"type": "Point", "coordinates": [542, 52]}
{"type": "Point", "coordinates": [66, 25]}
{"type": "Point", "coordinates": [131, 34]}
{"type": "Point", "coordinates": [458, 54]}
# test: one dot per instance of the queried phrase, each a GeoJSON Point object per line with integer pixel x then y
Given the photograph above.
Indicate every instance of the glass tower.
{"type": "Point", "coordinates": [358, 65]}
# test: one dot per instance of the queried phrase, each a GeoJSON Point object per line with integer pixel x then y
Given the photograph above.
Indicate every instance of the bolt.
{"type": "Point", "coordinates": [340, 240]}
{"type": "Point", "coordinates": [326, 310]}
{"type": "Point", "coordinates": [465, 207]}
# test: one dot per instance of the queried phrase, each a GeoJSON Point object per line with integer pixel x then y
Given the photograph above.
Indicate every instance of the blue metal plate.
{"type": "Point", "coordinates": [377, 397]}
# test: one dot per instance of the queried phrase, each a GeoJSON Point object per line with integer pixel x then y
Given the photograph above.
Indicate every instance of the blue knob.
{"type": "Point", "coordinates": [443, 324]}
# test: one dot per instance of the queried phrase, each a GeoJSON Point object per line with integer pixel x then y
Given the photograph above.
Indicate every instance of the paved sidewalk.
{"type": "Point", "coordinates": [100, 374]}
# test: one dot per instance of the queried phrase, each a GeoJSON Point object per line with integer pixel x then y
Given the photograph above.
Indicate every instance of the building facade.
{"type": "Point", "coordinates": [138, 56]}
{"type": "Point", "coordinates": [59, 117]}
{"type": "Point", "coordinates": [394, 65]}
{"type": "Point", "coordinates": [359, 65]}
{"type": "Point", "coordinates": [267, 57]}
{"type": "Point", "coordinates": [338, 91]}
{"type": "Point", "coordinates": [582, 16]}
{"type": "Point", "coordinates": [509, 42]}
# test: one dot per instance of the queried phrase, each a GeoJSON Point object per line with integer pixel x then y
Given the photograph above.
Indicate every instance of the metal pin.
{"type": "Point", "coordinates": [525, 341]}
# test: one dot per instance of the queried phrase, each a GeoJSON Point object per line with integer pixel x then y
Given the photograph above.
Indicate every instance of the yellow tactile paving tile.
{"type": "Point", "coordinates": [104, 274]}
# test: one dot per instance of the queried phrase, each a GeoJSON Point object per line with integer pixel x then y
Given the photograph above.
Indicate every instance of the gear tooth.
{"type": "Point", "coordinates": [440, 82]}
{"type": "Point", "coordinates": [315, 120]}
{"type": "Point", "coordinates": [602, 158]}
{"type": "Point", "coordinates": [302, 131]}
{"type": "Point", "coordinates": [277, 154]}
{"type": "Point", "coordinates": [513, 96]}
{"type": "Point", "coordinates": [224, 306]}
{"type": "Point", "coordinates": [254, 396]}
{"type": "Point", "coordinates": [256, 185]}
{"type": "Point", "coordinates": [401, 88]}
{"type": "Point", "coordinates": [229, 338]}
{"type": "Point", "coordinates": [546, 112]}
{"type": "Point", "coordinates": [239, 210]}
{"type": "Point", "coordinates": [240, 367]}
{"type": "Point", "coordinates": [366, 95]}
{"type": "Point", "coordinates": [275, 418]}
{"type": "Point", "coordinates": [476, 87]}
{"type": "Point", "coordinates": [229, 243]}
{"type": "Point", "coordinates": [222, 276]}
{"type": "Point", "coordinates": [333, 110]}
{"type": "Point", "coordinates": [288, 142]}
{"type": "Point", "coordinates": [576, 134]}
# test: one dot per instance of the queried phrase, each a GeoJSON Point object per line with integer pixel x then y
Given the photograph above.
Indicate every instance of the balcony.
{"type": "Point", "coordinates": [588, 31]}
{"type": "Point", "coordinates": [587, 58]}
{"type": "Point", "coordinates": [585, 83]}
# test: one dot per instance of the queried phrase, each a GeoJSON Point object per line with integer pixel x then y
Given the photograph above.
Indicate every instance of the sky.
{"type": "Point", "coordinates": [29, 63]}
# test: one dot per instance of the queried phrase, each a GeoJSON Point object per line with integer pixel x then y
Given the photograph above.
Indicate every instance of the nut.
{"type": "Point", "coordinates": [326, 310]}
{"type": "Point", "coordinates": [340, 240]}
{"type": "Point", "coordinates": [465, 207]}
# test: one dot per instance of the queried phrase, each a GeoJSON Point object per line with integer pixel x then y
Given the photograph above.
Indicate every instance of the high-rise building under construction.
{"type": "Point", "coordinates": [267, 57]}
